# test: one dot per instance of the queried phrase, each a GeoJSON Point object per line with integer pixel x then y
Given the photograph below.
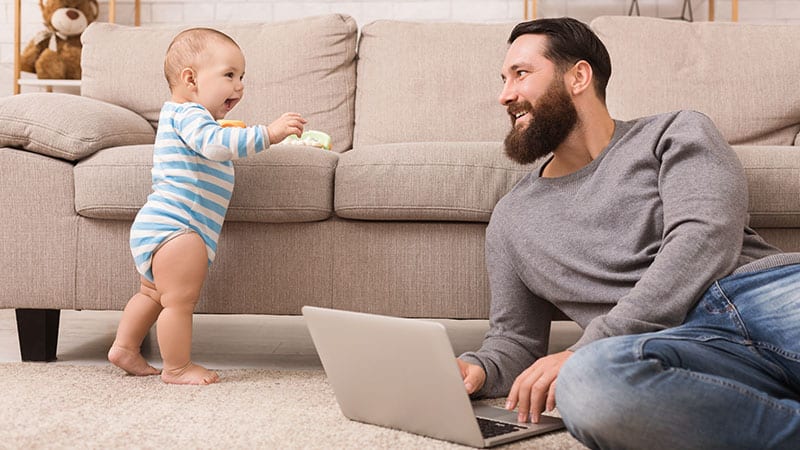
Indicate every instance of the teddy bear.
{"type": "Point", "coordinates": [55, 52]}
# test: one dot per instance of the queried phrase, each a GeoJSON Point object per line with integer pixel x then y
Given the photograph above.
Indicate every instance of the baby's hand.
{"type": "Point", "coordinates": [288, 123]}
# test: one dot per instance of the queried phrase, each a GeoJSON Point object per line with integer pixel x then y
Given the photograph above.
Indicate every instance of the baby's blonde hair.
{"type": "Point", "coordinates": [186, 47]}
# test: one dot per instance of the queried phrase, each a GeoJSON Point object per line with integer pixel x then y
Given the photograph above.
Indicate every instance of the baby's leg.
{"type": "Point", "coordinates": [139, 315]}
{"type": "Point", "coordinates": [179, 269]}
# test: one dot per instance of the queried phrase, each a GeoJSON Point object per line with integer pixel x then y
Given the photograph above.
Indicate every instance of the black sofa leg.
{"type": "Point", "coordinates": [38, 333]}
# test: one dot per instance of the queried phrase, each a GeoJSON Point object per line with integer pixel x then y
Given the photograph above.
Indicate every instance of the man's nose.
{"type": "Point", "coordinates": [506, 95]}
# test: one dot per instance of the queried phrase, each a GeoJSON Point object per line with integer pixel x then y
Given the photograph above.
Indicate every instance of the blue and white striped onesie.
{"type": "Point", "coordinates": [192, 179]}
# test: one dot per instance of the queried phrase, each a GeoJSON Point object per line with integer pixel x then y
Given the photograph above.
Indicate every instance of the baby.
{"type": "Point", "coordinates": [174, 237]}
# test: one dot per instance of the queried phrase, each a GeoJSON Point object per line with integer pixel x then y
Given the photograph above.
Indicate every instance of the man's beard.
{"type": "Point", "coordinates": [551, 122]}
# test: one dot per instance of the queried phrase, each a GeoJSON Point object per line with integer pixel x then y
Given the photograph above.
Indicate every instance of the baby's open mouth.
{"type": "Point", "coordinates": [230, 103]}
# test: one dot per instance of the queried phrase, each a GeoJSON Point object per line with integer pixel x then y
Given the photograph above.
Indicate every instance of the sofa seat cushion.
{"type": "Point", "coordinates": [283, 184]}
{"type": "Point", "coordinates": [435, 181]}
{"type": "Point", "coordinates": [773, 179]}
{"type": "Point", "coordinates": [305, 65]}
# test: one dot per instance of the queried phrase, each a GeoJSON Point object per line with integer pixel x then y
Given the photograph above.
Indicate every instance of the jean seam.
{"type": "Point", "coordinates": [730, 385]}
{"type": "Point", "coordinates": [732, 308]}
{"type": "Point", "coordinates": [639, 353]}
{"type": "Point", "coordinates": [794, 357]}
{"type": "Point", "coordinates": [780, 370]}
{"type": "Point", "coordinates": [757, 346]}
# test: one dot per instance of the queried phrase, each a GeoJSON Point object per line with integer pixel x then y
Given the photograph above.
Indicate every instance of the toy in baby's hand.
{"type": "Point", "coordinates": [55, 52]}
{"type": "Point", "coordinates": [312, 138]}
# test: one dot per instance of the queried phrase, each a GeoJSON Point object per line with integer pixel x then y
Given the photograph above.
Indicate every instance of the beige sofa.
{"type": "Point", "coordinates": [392, 220]}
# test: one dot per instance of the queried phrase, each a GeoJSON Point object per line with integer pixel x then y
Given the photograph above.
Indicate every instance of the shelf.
{"type": "Point", "coordinates": [531, 14]}
{"type": "Point", "coordinates": [49, 84]}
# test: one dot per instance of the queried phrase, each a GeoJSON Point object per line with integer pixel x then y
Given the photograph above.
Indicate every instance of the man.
{"type": "Point", "coordinates": [638, 232]}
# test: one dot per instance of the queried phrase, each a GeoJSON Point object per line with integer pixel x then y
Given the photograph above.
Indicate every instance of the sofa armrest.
{"type": "Point", "coordinates": [68, 126]}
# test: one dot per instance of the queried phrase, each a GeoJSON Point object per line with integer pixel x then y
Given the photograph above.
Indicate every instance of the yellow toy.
{"type": "Point", "coordinates": [224, 123]}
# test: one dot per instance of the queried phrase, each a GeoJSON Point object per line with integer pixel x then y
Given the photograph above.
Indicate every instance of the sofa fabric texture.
{"type": "Point", "coordinates": [740, 75]}
{"type": "Point", "coordinates": [39, 231]}
{"type": "Point", "coordinates": [285, 184]}
{"type": "Point", "coordinates": [447, 181]}
{"type": "Point", "coordinates": [306, 66]}
{"type": "Point", "coordinates": [425, 82]}
{"type": "Point", "coordinates": [392, 220]}
{"type": "Point", "coordinates": [53, 127]}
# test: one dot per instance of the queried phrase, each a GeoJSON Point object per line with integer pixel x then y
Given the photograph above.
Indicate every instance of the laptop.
{"type": "Point", "coordinates": [402, 374]}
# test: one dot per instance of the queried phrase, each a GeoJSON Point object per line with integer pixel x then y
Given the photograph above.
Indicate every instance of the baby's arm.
{"type": "Point", "coordinates": [206, 136]}
{"type": "Point", "coordinates": [225, 144]}
{"type": "Point", "coordinates": [285, 125]}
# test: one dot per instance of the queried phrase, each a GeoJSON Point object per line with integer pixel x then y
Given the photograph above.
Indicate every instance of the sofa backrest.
{"type": "Point", "coordinates": [306, 66]}
{"type": "Point", "coordinates": [430, 82]}
{"type": "Point", "coordinates": [744, 76]}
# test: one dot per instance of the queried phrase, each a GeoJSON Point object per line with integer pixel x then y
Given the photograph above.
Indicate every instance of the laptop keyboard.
{"type": "Point", "coordinates": [493, 428]}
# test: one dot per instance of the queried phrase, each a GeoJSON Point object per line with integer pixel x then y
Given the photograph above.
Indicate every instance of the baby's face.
{"type": "Point", "coordinates": [219, 78]}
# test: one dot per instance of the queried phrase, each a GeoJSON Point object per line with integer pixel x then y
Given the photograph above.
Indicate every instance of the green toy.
{"type": "Point", "coordinates": [311, 138]}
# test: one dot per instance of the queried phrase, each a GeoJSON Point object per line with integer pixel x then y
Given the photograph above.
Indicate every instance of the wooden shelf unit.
{"type": "Point", "coordinates": [530, 13]}
{"type": "Point", "coordinates": [112, 16]}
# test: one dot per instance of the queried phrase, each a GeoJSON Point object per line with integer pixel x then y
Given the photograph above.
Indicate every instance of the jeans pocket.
{"type": "Point", "coordinates": [714, 301]}
{"type": "Point", "coordinates": [715, 313]}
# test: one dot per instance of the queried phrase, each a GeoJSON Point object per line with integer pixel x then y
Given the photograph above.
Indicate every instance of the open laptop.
{"type": "Point", "coordinates": [402, 374]}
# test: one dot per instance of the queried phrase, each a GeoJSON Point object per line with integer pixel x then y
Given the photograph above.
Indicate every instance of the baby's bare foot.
{"type": "Point", "coordinates": [131, 361]}
{"type": "Point", "coordinates": [189, 374]}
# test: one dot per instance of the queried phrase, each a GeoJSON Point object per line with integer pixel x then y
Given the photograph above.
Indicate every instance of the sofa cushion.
{"type": "Point", "coordinates": [68, 126]}
{"type": "Point", "coordinates": [773, 179]}
{"type": "Point", "coordinates": [450, 181]}
{"type": "Point", "coordinates": [743, 76]}
{"type": "Point", "coordinates": [414, 86]}
{"type": "Point", "coordinates": [306, 66]}
{"type": "Point", "coordinates": [283, 184]}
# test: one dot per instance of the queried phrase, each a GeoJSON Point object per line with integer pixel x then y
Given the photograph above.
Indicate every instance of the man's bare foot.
{"type": "Point", "coordinates": [189, 374]}
{"type": "Point", "coordinates": [131, 361]}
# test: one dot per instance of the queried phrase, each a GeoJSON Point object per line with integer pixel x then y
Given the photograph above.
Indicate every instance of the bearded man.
{"type": "Point", "coordinates": [636, 230]}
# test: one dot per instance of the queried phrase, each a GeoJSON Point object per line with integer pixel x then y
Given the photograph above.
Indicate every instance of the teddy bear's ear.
{"type": "Point", "coordinates": [95, 7]}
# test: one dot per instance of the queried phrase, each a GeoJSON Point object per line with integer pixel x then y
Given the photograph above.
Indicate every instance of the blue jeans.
{"type": "Point", "coordinates": [727, 378]}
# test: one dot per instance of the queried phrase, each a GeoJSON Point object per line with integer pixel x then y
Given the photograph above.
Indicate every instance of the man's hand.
{"type": "Point", "coordinates": [534, 390]}
{"type": "Point", "coordinates": [474, 376]}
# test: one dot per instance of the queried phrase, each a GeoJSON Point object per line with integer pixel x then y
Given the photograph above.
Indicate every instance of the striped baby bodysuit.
{"type": "Point", "coordinates": [192, 179]}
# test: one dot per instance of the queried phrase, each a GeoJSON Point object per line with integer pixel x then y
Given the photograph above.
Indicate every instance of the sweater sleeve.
{"type": "Point", "coordinates": [519, 326]}
{"type": "Point", "coordinates": [205, 136]}
{"type": "Point", "coordinates": [703, 190]}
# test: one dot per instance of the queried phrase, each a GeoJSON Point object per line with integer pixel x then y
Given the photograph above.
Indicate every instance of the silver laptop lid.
{"type": "Point", "coordinates": [394, 372]}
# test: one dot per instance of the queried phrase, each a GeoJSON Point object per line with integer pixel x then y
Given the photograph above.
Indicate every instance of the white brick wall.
{"type": "Point", "coordinates": [365, 11]}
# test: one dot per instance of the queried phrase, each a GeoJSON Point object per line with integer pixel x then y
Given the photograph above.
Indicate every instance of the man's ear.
{"type": "Point", "coordinates": [188, 78]}
{"type": "Point", "coordinates": [581, 76]}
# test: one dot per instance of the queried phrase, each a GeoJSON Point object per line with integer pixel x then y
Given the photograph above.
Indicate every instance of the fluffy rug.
{"type": "Point", "coordinates": [61, 406]}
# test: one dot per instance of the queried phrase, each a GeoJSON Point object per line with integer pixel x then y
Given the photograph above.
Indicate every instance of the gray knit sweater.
{"type": "Point", "coordinates": [625, 245]}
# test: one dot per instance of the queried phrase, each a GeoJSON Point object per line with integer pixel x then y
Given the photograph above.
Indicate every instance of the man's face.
{"type": "Point", "coordinates": [540, 108]}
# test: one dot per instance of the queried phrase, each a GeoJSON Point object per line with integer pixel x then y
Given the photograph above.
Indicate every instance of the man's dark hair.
{"type": "Point", "coordinates": [570, 41]}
